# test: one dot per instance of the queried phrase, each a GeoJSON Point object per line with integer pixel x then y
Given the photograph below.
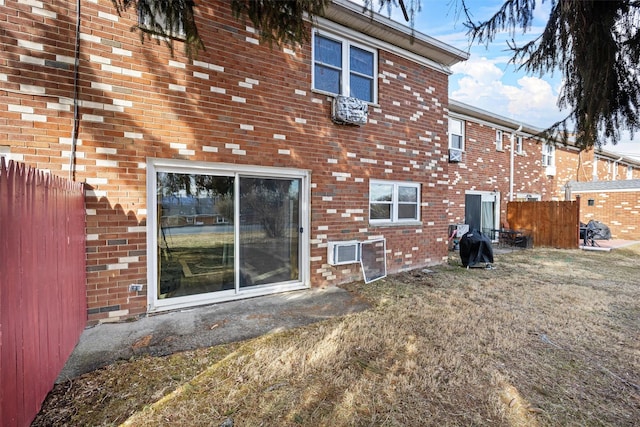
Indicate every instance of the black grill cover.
{"type": "Point", "coordinates": [475, 247]}
{"type": "Point", "coordinates": [599, 231]}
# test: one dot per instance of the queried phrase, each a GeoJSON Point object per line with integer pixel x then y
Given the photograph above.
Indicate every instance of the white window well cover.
{"type": "Point", "coordinates": [373, 259]}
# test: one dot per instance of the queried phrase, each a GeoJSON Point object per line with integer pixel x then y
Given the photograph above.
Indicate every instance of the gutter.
{"type": "Point", "coordinates": [512, 161]}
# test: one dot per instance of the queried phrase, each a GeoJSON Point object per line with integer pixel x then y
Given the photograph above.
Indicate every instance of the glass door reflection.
{"type": "Point", "coordinates": [195, 234]}
{"type": "Point", "coordinates": [269, 230]}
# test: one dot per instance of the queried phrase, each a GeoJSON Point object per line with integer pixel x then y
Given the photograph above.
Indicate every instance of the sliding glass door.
{"type": "Point", "coordinates": [195, 233]}
{"type": "Point", "coordinates": [218, 233]}
{"type": "Point", "coordinates": [269, 230]}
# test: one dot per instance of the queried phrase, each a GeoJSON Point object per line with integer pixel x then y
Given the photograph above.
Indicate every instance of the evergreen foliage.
{"type": "Point", "coordinates": [277, 21]}
{"type": "Point", "coordinates": [595, 45]}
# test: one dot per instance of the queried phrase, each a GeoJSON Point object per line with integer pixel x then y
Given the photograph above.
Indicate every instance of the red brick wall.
{"type": "Point", "coordinates": [619, 210]}
{"type": "Point", "coordinates": [484, 168]}
{"type": "Point", "coordinates": [238, 102]}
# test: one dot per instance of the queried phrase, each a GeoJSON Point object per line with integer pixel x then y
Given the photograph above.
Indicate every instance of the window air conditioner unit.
{"type": "Point", "coordinates": [339, 253]}
{"type": "Point", "coordinates": [550, 171]}
{"type": "Point", "coordinates": [349, 111]}
{"type": "Point", "coordinates": [455, 155]}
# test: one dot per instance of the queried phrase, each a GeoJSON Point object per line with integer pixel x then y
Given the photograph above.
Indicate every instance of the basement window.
{"type": "Point", "coordinates": [591, 202]}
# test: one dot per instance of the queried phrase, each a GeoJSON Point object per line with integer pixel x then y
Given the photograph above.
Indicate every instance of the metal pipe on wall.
{"type": "Point", "coordinates": [511, 162]}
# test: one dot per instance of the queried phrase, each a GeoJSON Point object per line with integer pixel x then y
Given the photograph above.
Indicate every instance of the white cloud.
{"type": "Point", "coordinates": [479, 69]}
{"type": "Point", "coordinates": [532, 94]}
{"type": "Point", "coordinates": [481, 83]}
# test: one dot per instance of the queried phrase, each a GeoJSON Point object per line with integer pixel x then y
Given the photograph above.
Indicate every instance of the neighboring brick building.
{"type": "Point", "coordinates": [224, 177]}
{"type": "Point", "coordinates": [614, 203]}
{"type": "Point", "coordinates": [480, 182]}
{"type": "Point", "coordinates": [485, 179]}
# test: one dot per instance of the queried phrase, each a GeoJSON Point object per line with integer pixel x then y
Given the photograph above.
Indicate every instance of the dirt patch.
{"type": "Point", "coordinates": [548, 337]}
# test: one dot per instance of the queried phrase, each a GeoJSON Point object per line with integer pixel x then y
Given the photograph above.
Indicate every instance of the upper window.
{"type": "Point", "coordinates": [161, 21]}
{"type": "Point", "coordinates": [394, 202]}
{"type": "Point", "coordinates": [456, 134]}
{"type": "Point", "coordinates": [343, 68]}
{"type": "Point", "coordinates": [519, 145]}
{"type": "Point", "coordinates": [548, 152]}
{"type": "Point", "coordinates": [498, 139]}
{"type": "Point", "coordinates": [629, 172]}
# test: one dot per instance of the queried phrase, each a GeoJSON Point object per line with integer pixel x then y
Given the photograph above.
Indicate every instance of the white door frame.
{"type": "Point", "coordinates": [155, 165]}
{"type": "Point", "coordinates": [489, 196]}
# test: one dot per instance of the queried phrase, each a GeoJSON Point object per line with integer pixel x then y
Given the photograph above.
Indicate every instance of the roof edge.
{"type": "Point", "coordinates": [373, 24]}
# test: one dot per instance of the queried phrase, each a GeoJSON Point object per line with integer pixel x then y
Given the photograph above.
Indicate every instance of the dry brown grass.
{"type": "Point", "coordinates": [550, 337]}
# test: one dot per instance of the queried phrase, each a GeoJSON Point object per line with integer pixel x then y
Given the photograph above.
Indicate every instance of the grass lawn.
{"type": "Point", "coordinates": [547, 338]}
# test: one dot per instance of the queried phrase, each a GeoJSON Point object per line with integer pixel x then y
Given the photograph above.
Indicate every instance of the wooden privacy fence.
{"type": "Point", "coordinates": [551, 224]}
{"type": "Point", "coordinates": [42, 285]}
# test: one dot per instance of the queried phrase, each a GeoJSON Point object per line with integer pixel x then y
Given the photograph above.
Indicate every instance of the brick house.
{"type": "Point", "coordinates": [224, 176]}
{"type": "Point", "coordinates": [483, 178]}
{"type": "Point", "coordinates": [501, 160]}
{"type": "Point", "coordinates": [614, 203]}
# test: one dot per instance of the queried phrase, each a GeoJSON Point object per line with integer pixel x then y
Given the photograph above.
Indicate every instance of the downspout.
{"type": "Point", "coordinates": [76, 122]}
{"type": "Point", "coordinates": [511, 162]}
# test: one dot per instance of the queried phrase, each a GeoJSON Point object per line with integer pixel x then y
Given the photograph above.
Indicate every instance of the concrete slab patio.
{"type": "Point", "coordinates": [206, 326]}
{"type": "Point", "coordinates": [608, 245]}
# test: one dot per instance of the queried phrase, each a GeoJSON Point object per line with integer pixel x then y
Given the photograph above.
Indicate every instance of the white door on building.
{"type": "Point", "coordinates": [482, 211]}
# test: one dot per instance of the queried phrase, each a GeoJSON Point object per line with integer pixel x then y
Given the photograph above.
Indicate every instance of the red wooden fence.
{"type": "Point", "coordinates": [42, 285]}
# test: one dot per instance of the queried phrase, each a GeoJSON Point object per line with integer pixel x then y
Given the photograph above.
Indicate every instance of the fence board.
{"type": "Point", "coordinates": [43, 285]}
{"type": "Point", "coordinates": [551, 224]}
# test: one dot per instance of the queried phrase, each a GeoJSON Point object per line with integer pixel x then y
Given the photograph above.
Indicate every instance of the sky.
{"type": "Point", "coordinates": [487, 80]}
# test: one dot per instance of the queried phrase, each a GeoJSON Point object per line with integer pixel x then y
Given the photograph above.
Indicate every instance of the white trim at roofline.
{"type": "Point", "coordinates": [333, 27]}
{"type": "Point", "coordinates": [496, 126]}
{"type": "Point", "coordinates": [487, 118]}
{"type": "Point", "coordinates": [617, 190]}
{"type": "Point", "coordinates": [392, 28]}
{"type": "Point", "coordinates": [613, 157]}
{"type": "Point", "coordinates": [464, 111]}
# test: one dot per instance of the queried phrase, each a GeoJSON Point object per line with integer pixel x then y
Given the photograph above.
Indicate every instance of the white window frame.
{"type": "Point", "coordinates": [155, 165]}
{"type": "Point", "coordinates": [499, 144]}
{"type": "Point", "coordinates": [345, 71]}
{"type": "Point", "coordinates": [395, 202]}
{"type": "Point", "coordinates": [629, 172]}
{"type": "Point", "coordinates": [518, 144]}
{"type": "Point", "coordinates": [452, 133]}
{"type": "Point", "coordinates": [178, 34]}
{"type": "Point", "coordinates": [548, 155]}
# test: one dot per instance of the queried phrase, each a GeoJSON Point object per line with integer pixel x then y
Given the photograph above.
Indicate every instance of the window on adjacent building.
{"type": "Point", "coordinates": [391, 201]}
{"type": "Point", "coordinates": [342, 67]}
{"type": "Point", "coordinates": [176, 30]}
{"type": "Point", "coordinates": [456, 134]}
{"type": "Point", "coordinates": [519, 145]}
{"type": "Point", "coordinates": [629, 172]}
{"type": "Point", "coordinates": [548, 152]}
{"type": "Point", "coordinates": [498, 139]}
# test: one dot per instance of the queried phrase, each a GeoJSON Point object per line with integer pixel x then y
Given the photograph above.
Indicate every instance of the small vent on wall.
{"type": "Point", "coordinates": [349, 111]}
{"type": "Point", "coordinates": [455, 155]}
{"type": "Point", "coordinates": [343, 252]}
